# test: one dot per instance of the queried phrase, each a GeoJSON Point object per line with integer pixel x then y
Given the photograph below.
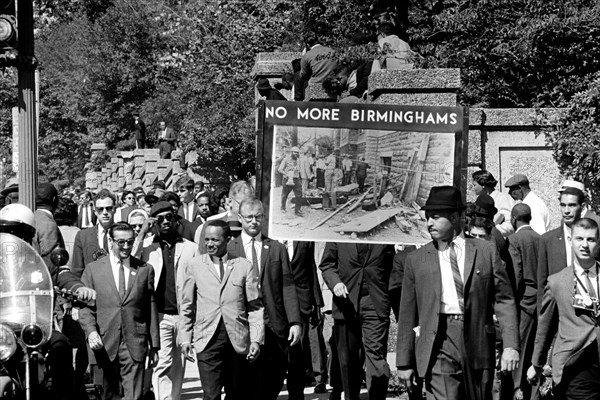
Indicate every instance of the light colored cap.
{"type": "Point", "coordinates": [573, 184]}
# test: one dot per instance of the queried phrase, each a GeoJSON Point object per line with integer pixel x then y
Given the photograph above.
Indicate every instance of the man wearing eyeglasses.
{"type": "Point", "coordinates": [166, 251]}
{"type": "Point", "coordinates": [283, 324]}
{"type": "Point", "coordinates": [123, 325]}
{"type": "Point", "coordinates": [92, 243]}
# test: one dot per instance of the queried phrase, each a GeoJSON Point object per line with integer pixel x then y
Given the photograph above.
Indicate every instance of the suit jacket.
{"type": "Point", "coordinates": [524, 249]}
{"type": "Point", "coordinates": [207, 299]}
{"type": "Point", "coordinates": [486, 290]}
{"type": "Point", "coordinates": [195, 212]}
{"type": "Point", "coordinates": [276, 282]}
{"type": "Point", "coordinates": [170, 137]}
{"type": "Point", "coordinates": [47, 234]}
{"type": "Point", "coordinates": [304, 270]}
{"type": "Point", "coordinates": [86, 244]}
{"type": "Point", "coordinates": [140, 129]}
{"type": "Point", "coordinates": [92, 216]}
{"type": "Point", "coordinates": [396, 277]}
{"type": "Point", "coordinates": [125, 211]}
{"type": "Point", "coordinates": [362, 79]}
{"type": "Point", "coordinates": [152, 254]}
{"type": "Point", "coordinates": [135, 317]}
{"type": "Point", "coordinates": [552, 258]}
{"type": "Point", "coordinates": [342, 263]}
{"type": "Point", "coordinates": [574, 329]}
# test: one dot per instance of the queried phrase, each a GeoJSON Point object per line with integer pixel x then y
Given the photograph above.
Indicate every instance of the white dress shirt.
{"type": "Point", "coordinates": [215, 261]}
{"type": "Point", "coordinates": [568, 247]}
{"type": "Point", "coordinates": [86, 214]}
{"type": "Point", "coordinates": [247, 242]}
{"type": "Point", "coordinates": [540, 217]}
{"type": "Point", "coordinates": [188, 210]}
{"type": "Point", "coordinates": [101, 231]}
{"type": "Point", "coordinates": [504, 203]}
{"type": "Point", "coordinates": [114, 265]}
{"type": "Point", "coordinates": [449, 299]}
{"type": "Point", "coordinates": [593, 274]}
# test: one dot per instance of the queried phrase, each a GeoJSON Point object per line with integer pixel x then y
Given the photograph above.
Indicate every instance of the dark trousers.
{"type": "Point", "coordinates": [122, 372]}
{"type": "Point", "coordinates": [371, 332]}
{"type": "Point", "coordinates": [220, 366]}
{"type": "Point", "coordinates": [527, 329]}
{"type": "Point", "coordinates": [297, 188]}
{"type": "Point", "coordinates": [140, 143]}
{"type": "Point", "coordinates": [60, 359]}
{"type": "Point", "coordinates": [581, 381]}
{"type": "Point", "coordinates": [277, 357]}
{"type": "Point", "coordinates": [320, 178]}
{"type": "Point", "coordinates": [347, 177]}
{"type": "Point", "coordinates": [318, 351]}
{"type": "Point", "coordinates": [450, 377]}
{"type": "Point", "coordinates": [361, 182]}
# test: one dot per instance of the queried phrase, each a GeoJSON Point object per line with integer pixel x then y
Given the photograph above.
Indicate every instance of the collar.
{"type": "Point", "coordinates": [215, 260]}
{"type": "Point", "coordinates": [315, 46]}
{"type": "Point", "coordinates": [522, 226]}
{"type": "Point", "coordinates": [46, 211]}
{"type": "Point", "coordinates": [579, 271]}
{"type": "Point", "coordinates": [458, 240]}
{"type": "Point", "coordinates": [247, 238]}
{"type": "Point", "coordinates": [175, 237]}
{"type": "Point", "coordinates": [114, 260]}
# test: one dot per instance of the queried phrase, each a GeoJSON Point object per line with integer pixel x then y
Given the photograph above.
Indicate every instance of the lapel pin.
{"type": "Point", "coordinates": [265, 246]}
{"type": "Point", "coordinates": [477, 272]}
{"type": "Point", "coordinates": [133, 272]}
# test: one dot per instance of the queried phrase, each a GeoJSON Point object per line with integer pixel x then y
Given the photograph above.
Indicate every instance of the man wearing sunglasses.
{"type": "Point", "coordinates": [166, 251]}
{"type": "Point", "coordinates": [123, 326]}
{"type": "Point", "coordinates": [92, 243]}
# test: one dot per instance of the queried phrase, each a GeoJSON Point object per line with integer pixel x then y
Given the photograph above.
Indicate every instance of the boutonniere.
{"type": "Point", "coordinates": [133, 272]}
{"type": "Point", "coordinates": [265, 247]}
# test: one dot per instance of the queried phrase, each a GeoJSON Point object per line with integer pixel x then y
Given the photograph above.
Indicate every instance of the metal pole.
{"type": "Point", "coordinates": [26, 66]}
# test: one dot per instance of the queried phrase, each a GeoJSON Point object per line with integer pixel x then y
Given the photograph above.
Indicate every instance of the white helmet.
{"type": "Point", "coordinates": [15, 213]}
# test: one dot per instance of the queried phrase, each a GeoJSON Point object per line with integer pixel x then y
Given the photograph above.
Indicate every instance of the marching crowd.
{"type": "Point", "coordinates": [492, 302]}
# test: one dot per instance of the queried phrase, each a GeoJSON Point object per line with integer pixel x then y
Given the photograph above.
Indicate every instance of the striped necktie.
{"type": "Point", "coordinates": [458, 283]}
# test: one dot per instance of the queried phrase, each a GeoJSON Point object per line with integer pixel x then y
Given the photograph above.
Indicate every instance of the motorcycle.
{"type": "Point", "coordinates": [26, 318]}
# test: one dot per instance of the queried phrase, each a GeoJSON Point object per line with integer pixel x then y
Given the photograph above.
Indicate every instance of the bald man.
{"type": "Point", "coordinates": [524, 248]}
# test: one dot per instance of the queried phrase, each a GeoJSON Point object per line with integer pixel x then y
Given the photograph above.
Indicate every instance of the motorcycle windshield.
{"type": "Point", "coordinates": [26, 290]}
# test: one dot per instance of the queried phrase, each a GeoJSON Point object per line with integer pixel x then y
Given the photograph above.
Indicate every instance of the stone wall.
{"type": "Point", "coordinates": [503, 141]}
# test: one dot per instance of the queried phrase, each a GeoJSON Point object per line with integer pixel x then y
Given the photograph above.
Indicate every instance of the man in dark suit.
{"type": "Point", "coordinates": [358, 275]}
{"type": "Point", "coordinates": [47, 234]}
{"type": "Point", "coordinates": [524, 248]}
{"type": "Point", "coordinates": [122, 327]}
{"type": "Point", "coordinates": [140, 131]}
{"type": "Point", "coordinates": [570, 312]}
{"type": "Point", "coordinates": [92, 243]}
{"type": "Point", "coordinates": [86, 218]}
{"type": "Point", "coordinates": [451, 289]}
{"type": "Point", "coordinates": [188, 209]}
{"type": "Point", "coordinates": [310, 300]}
{"type": "Point", "coordinates": [167, 140]}
{"type": "Point", "coordinates": [283, 323]}
{"type": "Point", "coordinates": [555, 246]}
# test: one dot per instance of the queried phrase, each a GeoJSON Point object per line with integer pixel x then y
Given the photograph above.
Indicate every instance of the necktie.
{"type": "Point", "coordinates": [86, 219]}
{"type": "Point", "coordinates": [121, 280]}
{"type": "Point", "coordinates": [589, 285]}
{"type": "Point", "coordinates": [254, 257]}
{"type": "Point", "coordinates": [221, 268]}
{"type": "Point", "coordinates": [105, 241]}
{"type": "Point", "coordinates": [458, 283]}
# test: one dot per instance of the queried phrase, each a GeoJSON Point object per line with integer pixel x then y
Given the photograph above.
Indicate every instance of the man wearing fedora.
{"type": "Point", "coordinates": [265, 90]}
{"type": "Point", "coordinates": [519, 190]}
{"type": "Point", "coordinates": [452, 288]}
{"type": "Point", "coordinates": [484, 182]}
{"type": "Point", "coordinates": [290, 168]}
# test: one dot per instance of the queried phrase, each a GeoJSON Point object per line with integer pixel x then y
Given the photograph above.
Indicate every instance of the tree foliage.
{"type": "Point", "coordinates": [576, 139]}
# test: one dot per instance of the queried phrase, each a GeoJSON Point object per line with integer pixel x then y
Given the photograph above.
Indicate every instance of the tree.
{"type": "Point", "coordinates": [575, 140]}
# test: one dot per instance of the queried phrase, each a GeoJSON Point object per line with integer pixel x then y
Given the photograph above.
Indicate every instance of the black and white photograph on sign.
{"type": "Point", "coordinates": [355, 185]}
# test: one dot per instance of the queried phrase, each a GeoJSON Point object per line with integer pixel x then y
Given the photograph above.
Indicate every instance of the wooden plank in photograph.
{"type": "Point", "coordinates": [413, 189]}
{"type": "Point", "coordinates": [368, 221]}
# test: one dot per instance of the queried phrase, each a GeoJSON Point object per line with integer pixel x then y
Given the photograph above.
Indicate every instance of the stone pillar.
{"type": "Point", "coordinates": [272, 66]}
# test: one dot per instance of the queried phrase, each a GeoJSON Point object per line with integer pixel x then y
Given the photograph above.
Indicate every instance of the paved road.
{"type": "Point", "coordinates": [193, 390]}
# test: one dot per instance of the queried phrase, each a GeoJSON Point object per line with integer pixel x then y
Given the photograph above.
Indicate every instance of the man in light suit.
{"type": "Point", "coordinates": [122, 327]}
{"type": "Point", "coordinates": [555, 246]}
{"type": "Point", "coordinates": [167, 140]}
{"type": "Point", "coordinates": [523, 248]}
{"type": "Point", "coordinates": [166, 252]}
{"type": "Point", "coordinates": [570, 312]}
{"type": "Point", "coordinates": [306, 173]}
{"type": "Point", "coordinates": [451, 289]}
{"type": "Point", "coordinates": [221, 311]}
{"type": "Point", "coordinates": [282, 350]}
{"type": "Point", "coordinates": [92, 243]}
